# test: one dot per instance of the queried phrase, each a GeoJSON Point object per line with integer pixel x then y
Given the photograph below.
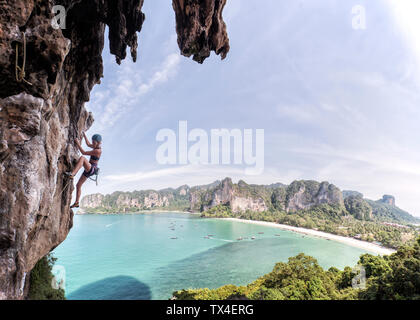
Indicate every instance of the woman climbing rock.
{"type": "Point", "coordinates": [90, 166]}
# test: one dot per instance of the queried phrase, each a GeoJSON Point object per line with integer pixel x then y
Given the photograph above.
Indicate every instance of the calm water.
{"type": "Point", "coordinates": [132, 256]}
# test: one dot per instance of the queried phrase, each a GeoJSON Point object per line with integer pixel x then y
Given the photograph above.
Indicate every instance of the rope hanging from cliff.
{"type": "Point", "coordinates": [61, 193]}
{"type": "Point", "coordinates": [65, 187]}
{"type": "Point", "coordinates": [20, 71]}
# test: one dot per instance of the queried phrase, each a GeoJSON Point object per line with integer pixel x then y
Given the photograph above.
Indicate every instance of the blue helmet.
{"type": "Point", "coordinates": [97, 137]}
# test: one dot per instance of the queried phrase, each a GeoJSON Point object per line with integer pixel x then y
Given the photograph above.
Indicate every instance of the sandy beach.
{"type": "Point", "coordinates": [349, 241]}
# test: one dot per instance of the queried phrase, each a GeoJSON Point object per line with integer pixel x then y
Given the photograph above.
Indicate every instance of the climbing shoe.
{"type": "Point", "coordinates": [68, 173]}
{"type": "Point", "coordinates": [74, 205]}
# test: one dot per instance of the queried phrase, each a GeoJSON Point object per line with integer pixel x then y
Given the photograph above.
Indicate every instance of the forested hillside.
{"type": "Point", "coordinates": [394, 277]}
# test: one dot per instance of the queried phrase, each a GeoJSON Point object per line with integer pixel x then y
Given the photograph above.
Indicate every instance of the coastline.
{"type": "Point", "coordinates": [369, 246]}
{"type": "Point", "coordinates": [81, 212]}
{"type": "Point", "coordinates": [329, 236]}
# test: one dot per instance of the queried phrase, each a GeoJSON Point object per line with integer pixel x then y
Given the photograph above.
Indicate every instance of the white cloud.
{"type": "Point", "coordinates": [169, 177]}
{"type": "Point", "coordinates": [298, 113]}
{"type": "Point", "coordinates": [374, 171]}
{"type": "Point", "coordinates": [161, 76]}
{"type": "Point", "coordinates": [405, 13]}
{"type": "Point", "coordinates": [143, 175]}
{"type": "Point", "coordinates": [126, 90]}
{"type": "Point", "coordinates": [191, 175]}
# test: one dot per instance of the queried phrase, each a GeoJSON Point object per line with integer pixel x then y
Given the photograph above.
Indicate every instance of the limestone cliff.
{"type": "Point", "coordinates": [225, 197]}
{"type": "Point", "coordinates": [198, 198]}
{"type": "Point", "coordinates": [92, 201]}
{"type": "Point", "coordinates": [358, 207]}
{"type": "Point", "coordinates": [387, 199]}
{"type": "Point", "coordinates": [42, 111]}
{"type": "Point", "coordinates": [201, 28]}
{"type": "Point", "coordinates": [306, 194]}
{"type": "Point", "coordinates": [238, 197]}
{"type": "Point", "coordinates": [299, 195]}
{"type": "Point", "coordinates": [135, 201]}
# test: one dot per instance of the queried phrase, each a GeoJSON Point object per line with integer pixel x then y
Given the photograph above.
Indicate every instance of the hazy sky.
{"type": "Point", "coordinates": [337, 104]}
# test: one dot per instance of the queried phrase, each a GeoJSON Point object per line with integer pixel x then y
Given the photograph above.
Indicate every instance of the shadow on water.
{"type": "Point", "coordinates": [242, 262]}
{"type": "Point", "coordinates": [236, 263]}
{"type": "Point", "coordinates": [114, 288]}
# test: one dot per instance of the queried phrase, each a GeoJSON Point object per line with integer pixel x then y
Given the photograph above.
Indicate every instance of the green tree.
{"type": "Point", "coordinates": [40, 281]}
{"type": "Point", "coordinates": [400, 281]}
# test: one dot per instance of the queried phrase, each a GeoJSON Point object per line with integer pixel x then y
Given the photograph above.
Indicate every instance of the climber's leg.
{"type": "Point", "coordinates": [79, 184]}
{"type": "Point", "coordinates": [82, 162]}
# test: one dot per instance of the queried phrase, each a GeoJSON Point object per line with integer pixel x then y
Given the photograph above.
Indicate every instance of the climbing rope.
{"type": "Point", "coordinates": [65, 187]}
{"type": "Point", "coordinates": [20, 71]}
{"type": "Point", "coordinates": [61, 193]}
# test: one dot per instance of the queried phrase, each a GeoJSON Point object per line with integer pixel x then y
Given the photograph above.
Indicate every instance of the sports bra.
{"type": "Point", "coordinates": [95, 158]}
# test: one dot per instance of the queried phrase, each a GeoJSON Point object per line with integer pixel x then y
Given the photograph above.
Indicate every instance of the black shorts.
{"type": "Point", "coordinates": [91, 172]}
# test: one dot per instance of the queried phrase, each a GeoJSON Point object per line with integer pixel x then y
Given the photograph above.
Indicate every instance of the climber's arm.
{"type": "Point", "coordinates": [76, 141]}
{"type": "Point", "coordinates": [87, 141]}
{"type": "Point", "coordinates": [94, 152]}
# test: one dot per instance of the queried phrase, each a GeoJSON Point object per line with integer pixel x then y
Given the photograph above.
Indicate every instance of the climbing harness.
{"type": "Point", "coordinates": [20, 71]}
{"type": "Point", "coordinates": [96, 174]}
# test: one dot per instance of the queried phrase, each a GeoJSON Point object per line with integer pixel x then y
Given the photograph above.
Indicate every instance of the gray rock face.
{"type": "Point", "coordinates": [201, 28]}
{"type": "Point", "coordinates": [358, 207]}
{"type": "Point", "coordinates": [241, 204]}
{"type": "Point", "coordinates": [40, 117]}
{"type": "Point", "coordinates": [350, 193]}
{"type": "Point", "coordinates": [134, 201]}
{"type": "Point", "coordinates": [42, 110]}
{"type": "Point", "coordinates": [92, 201]}
{"type": "Point", "coordinates": [387, 199]}
{"type": "Point", "coordinates": [226, 193]}
{"type": "Point", "coordinates": [301, 195]}
{"type": "Point", "coordinates": [223, 194]}
{"type": "Point", "coordinates": [151, 199]}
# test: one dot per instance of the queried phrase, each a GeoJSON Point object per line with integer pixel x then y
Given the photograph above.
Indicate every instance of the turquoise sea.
{"type": "Point", "coordinates": [133, 256]}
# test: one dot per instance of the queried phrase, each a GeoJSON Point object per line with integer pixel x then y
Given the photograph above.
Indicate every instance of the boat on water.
{"type": "Point", "coordinates": [252, 238]}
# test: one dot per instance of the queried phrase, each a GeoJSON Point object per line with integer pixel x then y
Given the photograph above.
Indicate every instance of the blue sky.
{"type": "Point", "coordinates": [336, 104]}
